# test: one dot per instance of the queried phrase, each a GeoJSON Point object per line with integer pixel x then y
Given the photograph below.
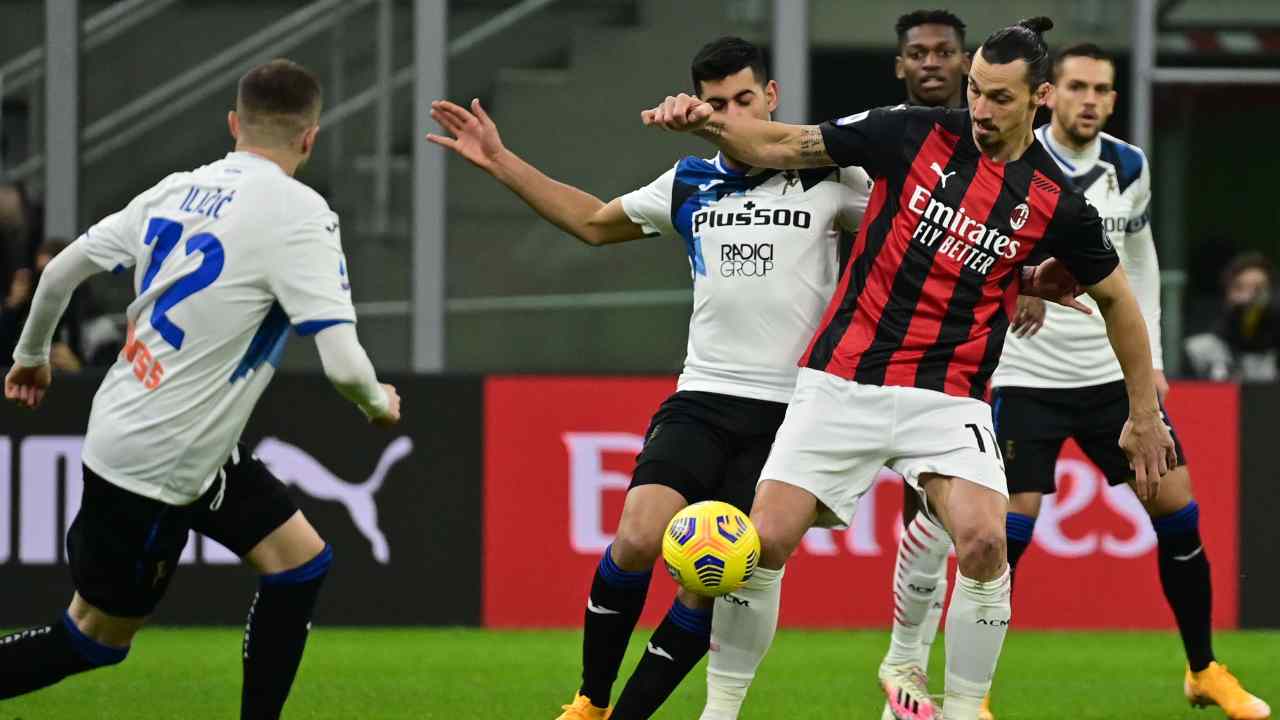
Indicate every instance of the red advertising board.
{"type": "Point", "coordinates": [559, 453]}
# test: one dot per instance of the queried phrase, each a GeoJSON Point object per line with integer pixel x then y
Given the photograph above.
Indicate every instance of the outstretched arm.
{"type": "Point", "coordinates": [581, 214]}
{"type": "Point", "coordinates": [758, 143]}
{"type": "Point", "coordinates": [30, 376]}
{"type": "Point", "coordinates": [1145, 438]}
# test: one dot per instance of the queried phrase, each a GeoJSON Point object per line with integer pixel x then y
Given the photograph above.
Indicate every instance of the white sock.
{"type": "Point", "coordinates": [742, 629]}
{"type": "Point", "coordinates": [921, 566]}
{"type": "Point", "coordinates": [929, 628]}
{"type": "Point", "coordinates": [976, 626]}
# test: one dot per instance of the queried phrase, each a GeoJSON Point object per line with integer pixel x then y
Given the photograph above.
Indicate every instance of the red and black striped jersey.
{"type": "Point", "coordinates": [932, 282]}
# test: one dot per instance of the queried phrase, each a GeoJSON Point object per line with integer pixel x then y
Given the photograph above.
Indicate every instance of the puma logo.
{"type": "Point", "coordinates": [295, 466]}
{"type": "Point", "coordinates": [938, 169]}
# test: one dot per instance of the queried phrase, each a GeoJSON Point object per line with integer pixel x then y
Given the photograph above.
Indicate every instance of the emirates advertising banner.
{"type": "Point", "coordinates": [559, 452]}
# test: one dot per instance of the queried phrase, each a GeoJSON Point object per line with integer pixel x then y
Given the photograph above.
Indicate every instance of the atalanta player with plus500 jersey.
{"type": "Point", "coordinates": [762, 248]}
{"type": "Point", "coordinates": [897, 369]}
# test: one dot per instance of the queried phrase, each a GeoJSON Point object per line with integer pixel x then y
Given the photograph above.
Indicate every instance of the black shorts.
{"type": "Point", "coordinates": [123, 548]}
{"type": "Point", "coordinates": [708, 446]}
{"type": "Point", "coordinates": [1032, 424]}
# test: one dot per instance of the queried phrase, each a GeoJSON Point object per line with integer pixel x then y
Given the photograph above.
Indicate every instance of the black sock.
{"type": "Point", "coordinates": [1184, 575]}
{"type": "Point", "coordinates": [276, 635]}
{"type": "Point", "coordinates": [1018, 531]}
{"type": "Point", "coordinates": [617, 597]}
{"type": "Point", "coordinates": [675, 648]}
{"type": "Point", "coordinates": [39, 657]}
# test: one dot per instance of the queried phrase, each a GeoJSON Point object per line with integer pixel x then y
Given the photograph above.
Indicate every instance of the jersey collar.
{"type": "Point", "coordinates": [241, 156]}
{"type": "Point", "coordinates": [721, 166]}
{"type": "Point", "coordinates": [1069, 159]}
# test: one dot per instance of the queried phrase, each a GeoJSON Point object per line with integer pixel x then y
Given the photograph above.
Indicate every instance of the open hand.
{"type": "Point", "coordinates": [475, 136]}
{"type": "Point", "coordinates": [1029, 318]}
{"type": "Point", "coordinates": [1149, 445]}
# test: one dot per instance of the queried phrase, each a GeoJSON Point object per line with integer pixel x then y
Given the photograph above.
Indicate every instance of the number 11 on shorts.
{"type": "Point", "coordinates": [982, 446]}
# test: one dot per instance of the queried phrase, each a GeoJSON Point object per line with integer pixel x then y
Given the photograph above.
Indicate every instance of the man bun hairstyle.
{"type": "Point", "coordinates": [727, 56]}
{"type": "Point", "coordinates": [278, 101]}
{"type": "Point", "coordinates": [1024, 41]}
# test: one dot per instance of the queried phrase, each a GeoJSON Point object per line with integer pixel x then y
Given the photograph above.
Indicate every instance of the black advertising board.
{"type": "Point", "coordinates": [400, 507]}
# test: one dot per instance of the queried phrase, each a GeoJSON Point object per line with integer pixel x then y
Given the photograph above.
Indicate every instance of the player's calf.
{"type": "Point", "coordinates": [83, 639]}
{"type": "Point", "coordinates": [1020, 525]}
{"type": "Point", "coordinates": [621, 582]}
{"type": "Point", "coordinates": [674, 649]}
{"type": "Point", "coordinates": [920, 571]}
{"type": "Point", "coordinates": [980, 613]}
{"type": "Point", "coordinates": [280, 615]}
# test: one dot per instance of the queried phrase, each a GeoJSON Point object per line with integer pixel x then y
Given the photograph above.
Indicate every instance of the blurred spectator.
{"type": "Point", "coordinates": [15, 248]}
{"type": "Point", "coordinates": [1244, 343]}
{"type": "Point", "coordinates": [84, 336]}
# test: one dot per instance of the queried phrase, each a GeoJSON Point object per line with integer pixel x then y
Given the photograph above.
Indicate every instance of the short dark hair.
{"type": "Point", "coordinates": [1246, 261]}
{"type": "Point", "coordinates": [1085, 49]}
{"type": "Point", "coordinates": [928, 17]}
{"type": "Point", "coordinates": [1024, 41]}
{"type": "Point", "coordinates": [725, 56]}
{"type": "Point", "coordinates": [278, 100]}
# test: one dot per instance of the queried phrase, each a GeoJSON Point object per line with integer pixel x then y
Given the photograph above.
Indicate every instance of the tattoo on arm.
{"type": "Point", "coordinates": [812, 147]}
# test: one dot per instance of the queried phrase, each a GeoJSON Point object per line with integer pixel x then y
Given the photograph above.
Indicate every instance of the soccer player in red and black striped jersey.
{"type": "Point", "coordinates": [934, 69]}
{"type": "Point", "coordinates": [963, 201]}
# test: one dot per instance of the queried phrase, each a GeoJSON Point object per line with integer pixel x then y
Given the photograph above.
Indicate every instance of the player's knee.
{"type": "Point", "coordinates": [99, 640]}
{"type": "Point", "coordinates": [635, 549]}
{"type": "Point", "coordinates": [777, 539]}
{"type": "Point", "coordinates": [84, 620]}
{"type": "Point", "coordinates": [980, 550]}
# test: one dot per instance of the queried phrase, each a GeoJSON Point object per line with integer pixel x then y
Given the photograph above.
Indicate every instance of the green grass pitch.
{"type": "Point", "coordinates": [465, 674]}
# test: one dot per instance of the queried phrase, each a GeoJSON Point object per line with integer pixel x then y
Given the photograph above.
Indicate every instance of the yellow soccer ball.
{"type": "Point", "coordinates": [711, 548]}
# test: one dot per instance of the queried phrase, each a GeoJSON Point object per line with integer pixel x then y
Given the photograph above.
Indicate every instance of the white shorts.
{"type": "Point", "coordinates": [838, 434]}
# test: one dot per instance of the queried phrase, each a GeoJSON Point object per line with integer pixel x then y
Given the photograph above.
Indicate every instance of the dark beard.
{"type": "Point", "coordinates": [1079, 139]}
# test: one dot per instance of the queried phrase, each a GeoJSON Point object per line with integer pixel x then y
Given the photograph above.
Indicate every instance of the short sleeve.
{"type": "Point", "coordinates": [115, 242]}
{"type": "Point", "coordinates": [855, 191]}
{"type": "Point", "coordinates": [650, 206]}
{"type": "Point", "coordinates": [308, 275]}
{"type": "Point", "coordinates": [1079, 240]}
{"type": "Point", "coordinates": [866, 139]}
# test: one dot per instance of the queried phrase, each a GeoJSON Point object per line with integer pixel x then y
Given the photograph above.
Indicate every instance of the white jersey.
{"type": "Point", "coordinates": [1072, 349]}
{"type": "Point", "coordinates": [762, 248]}
{"type": "Point", "coordinates": [226, 258]}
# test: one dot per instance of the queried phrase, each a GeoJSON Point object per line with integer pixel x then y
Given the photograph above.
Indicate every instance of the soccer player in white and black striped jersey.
{"type": "Point", "coordinates": [1040, 400]}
